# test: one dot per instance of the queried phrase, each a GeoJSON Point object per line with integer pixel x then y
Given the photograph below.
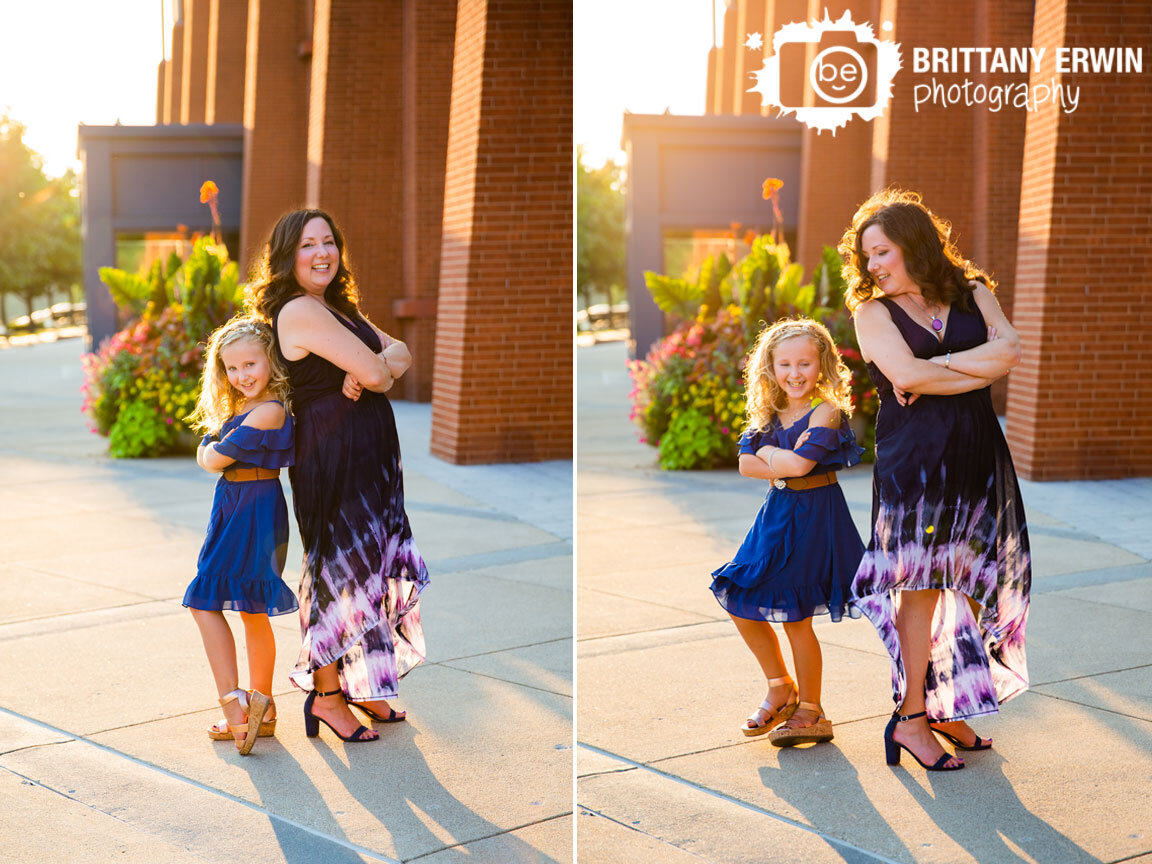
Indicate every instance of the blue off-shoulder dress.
{"type": "Point", "coordinates": [242, 558]}
{"type": "Point", "coordinates": [802, 551]}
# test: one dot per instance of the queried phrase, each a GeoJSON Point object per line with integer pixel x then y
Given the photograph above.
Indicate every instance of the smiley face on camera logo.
{"type": "Point", "coordinates": [848, 71]}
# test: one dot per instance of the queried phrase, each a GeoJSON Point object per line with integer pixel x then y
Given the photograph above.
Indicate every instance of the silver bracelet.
{"type": "Point", "coordinates": [771, 453]}
{"type": "Point", "coordinates": [948, 360]}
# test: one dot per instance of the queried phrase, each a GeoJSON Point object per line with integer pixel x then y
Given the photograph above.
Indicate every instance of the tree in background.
{"type": "Point", "coordinates": [600, 253]}
{"type": "Point", "coordinates": [40, 246]}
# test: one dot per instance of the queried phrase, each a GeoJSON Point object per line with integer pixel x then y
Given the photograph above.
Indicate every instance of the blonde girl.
{"type": "Point", "coordinates": [244, 411]}
{"type": "Point", "coordinates": [802, 551]}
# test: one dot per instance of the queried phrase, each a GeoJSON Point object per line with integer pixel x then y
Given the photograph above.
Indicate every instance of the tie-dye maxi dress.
{"type": "Point", "coordinates": [947, 513]}
{"type": "Point", "coordinates": [362, 574]}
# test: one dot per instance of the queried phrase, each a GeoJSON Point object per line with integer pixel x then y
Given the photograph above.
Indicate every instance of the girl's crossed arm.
{"type": "Point", "coordinates": [270, 415]}
{"type": "Point", "coordinates": [773, 463]}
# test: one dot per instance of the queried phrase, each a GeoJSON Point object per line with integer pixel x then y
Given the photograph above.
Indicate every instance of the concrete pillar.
{"type": "Point", "coordinates": [503, 375]}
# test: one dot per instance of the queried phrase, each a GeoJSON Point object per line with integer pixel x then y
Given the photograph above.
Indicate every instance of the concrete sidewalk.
{"type": "Point", "coordinates": [106, 693]}
{"type": "Point", "coordinates": [664, 774]}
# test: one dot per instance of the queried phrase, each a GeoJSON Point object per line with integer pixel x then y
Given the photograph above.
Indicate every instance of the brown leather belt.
{"type": "Point", "coordinates": [243, 475]}
{"type": "Point", "coordinates": [800, 484]}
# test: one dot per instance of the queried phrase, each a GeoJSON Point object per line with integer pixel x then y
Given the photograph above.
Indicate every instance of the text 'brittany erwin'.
{"type": "Point", "coordinates": [1068, 60]}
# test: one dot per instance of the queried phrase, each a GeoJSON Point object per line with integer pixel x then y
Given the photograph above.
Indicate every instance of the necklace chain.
{"type": "Point", "coordinates": [933, 317]}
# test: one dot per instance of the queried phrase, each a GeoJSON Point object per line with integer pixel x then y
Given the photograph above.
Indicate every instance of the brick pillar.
{"type": "Point", "coordinates": [998, 139]}
{"type": "Point", "coordinates": [727, 56]}
{"type": "Point", "coordinates": [227, 45]}
{"type": "Point", "coordinates": [175, 78]}
{"type": "Point", "coordinates": [277, 74]}
{"type": "Point", "coordinates": [1079, 403]}
{"type": "Point", "coordinates": [161, 89]}
{"type": "Point", "coordinates": [428, 40]}
{"type": "Point", "coordinates": [777, 13]}
{"type": "Point", "coordinates": [354, 141]}
{"type": "Point", "coordinates": [835, 169]}
{"type": "Point", "coordinates": [750, 18]}
{"type": "Point", "coordinates": [710, 87]}
{"type": "Point", "coordinates": [503, 375]}
{"type": "Point", "coordinates": [195, 72]}
{"type": "Point", "coordinates": [931, 150]}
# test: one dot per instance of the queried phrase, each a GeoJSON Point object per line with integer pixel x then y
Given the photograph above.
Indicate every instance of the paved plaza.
{"type": "Point", "coordinates": [107, 693]}
{"type": "Point", "coordinates": [664, 774]}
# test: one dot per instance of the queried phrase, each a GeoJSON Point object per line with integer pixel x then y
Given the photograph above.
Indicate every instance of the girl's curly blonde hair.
{"type": "Point", "coordinates": [765, 398]}
{"type": "Point", "coordinates": [218, 399]}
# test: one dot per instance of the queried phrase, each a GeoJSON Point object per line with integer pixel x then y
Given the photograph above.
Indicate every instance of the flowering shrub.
{"type": "Point", "coordinates": [141, 384]}
{"type": "Point", "coordinates": [688, 393]}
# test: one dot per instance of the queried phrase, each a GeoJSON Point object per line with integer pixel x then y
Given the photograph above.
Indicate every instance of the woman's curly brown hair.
{"type": "Point", "coordinates": [274, 281]}
{"type": "Point", "coordinates": [931, 258]}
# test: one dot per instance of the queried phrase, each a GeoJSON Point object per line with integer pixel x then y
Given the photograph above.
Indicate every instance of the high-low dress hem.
{"type": "Point", "coordinates": [947, 515]}
{"type": "Point", "coordinates": [362, 575]}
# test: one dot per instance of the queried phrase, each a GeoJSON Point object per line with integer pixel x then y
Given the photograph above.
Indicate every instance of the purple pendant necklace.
{"type": "Point", "coordinates": [937, 324]}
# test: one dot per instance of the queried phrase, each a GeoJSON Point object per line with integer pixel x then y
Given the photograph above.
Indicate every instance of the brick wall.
{"type": "Point", "coordinates": [503, 374]}
{"type": "Point", "coordinates": [277, 75]}
{"type": "Point", "coordinates": [429, 35]}
{"type": "Point", "coordinates": [195, 67]}
{"type": "Point", "coordinates": [227, 47]}
{"type": "Point", "coordinates": [354, 154]}
{"type": "Point", "coordinates": [1079, 402]}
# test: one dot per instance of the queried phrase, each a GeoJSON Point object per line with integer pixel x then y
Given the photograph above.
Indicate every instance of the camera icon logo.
{"type": "Point", "coordinates": [848, 72]}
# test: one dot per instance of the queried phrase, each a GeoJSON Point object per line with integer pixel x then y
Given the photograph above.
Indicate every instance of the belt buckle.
{"type": "Point", "coordinates": [780, 483]}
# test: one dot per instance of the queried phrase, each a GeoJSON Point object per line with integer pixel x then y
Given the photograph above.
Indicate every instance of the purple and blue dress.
{"type": "Point", "coordinates": [802, 551]}
{"type": "Point", "coordinates": [362, 575]}
{"type": "Point", "coordinates": [947, 514]}
{"type": "Point", "coordinates": [242, 558]}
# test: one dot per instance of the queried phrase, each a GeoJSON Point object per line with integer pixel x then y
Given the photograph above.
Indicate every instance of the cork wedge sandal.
{"type": "Point", "coordinates": [254, 707]}
{"type": "Point", "coordinates": [223, 732]}
{"type": "Point", "coordinates": [776, 714]}
{"type": "Point", "coordinates": [793, 733]}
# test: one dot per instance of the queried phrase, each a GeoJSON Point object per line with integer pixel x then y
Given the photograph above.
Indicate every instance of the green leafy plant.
{"type": "Point", "coordinates": [688, 393]}
{"type": "Point", "coordinates": [145, 379]}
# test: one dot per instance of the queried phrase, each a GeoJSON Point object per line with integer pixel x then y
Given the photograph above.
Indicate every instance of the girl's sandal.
{"type": "Point", "coordinates": [254, 707]}
{"type": "Point", "coordinates": [752, 728]}
{"type": "Point", "coordinates": [221, 731]}
{"type": "Point", "coordinates": [796, 731]}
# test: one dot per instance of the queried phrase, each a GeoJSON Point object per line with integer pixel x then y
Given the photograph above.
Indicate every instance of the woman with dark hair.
{"type": "Point", "coordinates": [362, 575]}
{"type": "Point", "coordinates": [947, 574]}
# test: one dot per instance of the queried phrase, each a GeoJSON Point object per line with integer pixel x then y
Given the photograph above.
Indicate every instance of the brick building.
{"type": "Point", "coordinates": [438, 133]}
{"type": "Point", "coordinates": [1055, 204]}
